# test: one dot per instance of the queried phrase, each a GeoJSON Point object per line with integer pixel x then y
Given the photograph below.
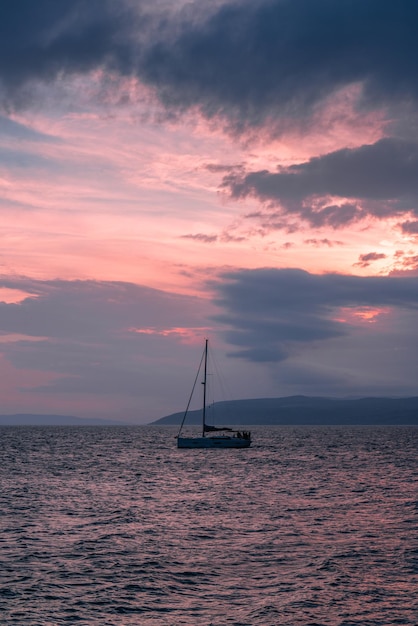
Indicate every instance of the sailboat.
{"type": "Point", "coordinates": [212, 436]}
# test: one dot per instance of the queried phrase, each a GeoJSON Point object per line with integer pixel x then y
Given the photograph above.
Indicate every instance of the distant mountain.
{"type": "Point", "coordinates": [303, 410]}
{"type": "Point", "coordinates": [24, 419]}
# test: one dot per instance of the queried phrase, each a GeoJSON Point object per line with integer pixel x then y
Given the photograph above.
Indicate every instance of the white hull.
{"type": "Point", "coordinates": [220, 441]}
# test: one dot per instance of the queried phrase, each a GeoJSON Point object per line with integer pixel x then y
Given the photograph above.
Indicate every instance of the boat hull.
{"type": "Point", "coordinates": [213, 442]}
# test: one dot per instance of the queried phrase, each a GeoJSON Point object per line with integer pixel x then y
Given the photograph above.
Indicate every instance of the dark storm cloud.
{"type": "Point", "coordinates": [383, 175]}
{"type": "Point", "coordinates": [251, 61]}
{"type": "Point", "coordinates": [44, 39]}
{"type": "Point", "coordinates": [271, 311]}
{"type": "Point", "coordinates": [246, 61]}
{"type": "Point", "coordinates": [386, 169]}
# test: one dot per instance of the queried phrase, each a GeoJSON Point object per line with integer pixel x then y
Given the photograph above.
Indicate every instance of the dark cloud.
{"type": "Point", "coordinates": [318, 243]}
{"type": "Point", "coordinates": [224, 237]}
{"type": "Point", "coordinates": [227, 237]}
{"type": "Point", "coordinates": [253, 61]}
{"type": "Point", "coordinates": [406, 263]}
{"type": "Point", "coordinates": [87, 309]}
{"type": "Point", "coordinates": [42, 40]}
{"type": "Point", "coordinates": [201, 237]}
{"type": "Point", "coordinates": [270, 312]}
{"type": "Point", "coordinates": [366, 259]}
{"type": "Point", "coordinates": [249, 62]}
{"type": "Point", "coordinates": [215, 168]}
{"type": "Point", "coordinates": [272, 220]}
{"type": "Point", "coordinates": [86, 333]}
{"type": "Point", "coordinates": [383, 176]}
{"type": "Point", "coordinates": [410, 227]}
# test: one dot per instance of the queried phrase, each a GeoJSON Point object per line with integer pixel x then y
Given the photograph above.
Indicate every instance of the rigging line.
{"type": "Point", "coordinates": [191, 395]}
{"type": "Point", "coordinates": [211, 378]}
{"type": "Point", "coordinates": [225, 394]}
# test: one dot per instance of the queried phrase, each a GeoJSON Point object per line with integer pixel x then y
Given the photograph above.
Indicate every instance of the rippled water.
{"type": "Point", "coordinates": [115, 526]}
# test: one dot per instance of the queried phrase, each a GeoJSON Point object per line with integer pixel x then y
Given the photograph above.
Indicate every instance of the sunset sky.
{"type": "Point", "coordinates": [243, 170]}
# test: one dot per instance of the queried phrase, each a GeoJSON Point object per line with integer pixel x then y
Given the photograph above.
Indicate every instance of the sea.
{"type": "Point", "coordinates": [114, 526]}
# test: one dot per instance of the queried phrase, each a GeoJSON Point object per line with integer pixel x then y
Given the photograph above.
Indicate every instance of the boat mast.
{"type": "Point", "coordinates": [204, 388]}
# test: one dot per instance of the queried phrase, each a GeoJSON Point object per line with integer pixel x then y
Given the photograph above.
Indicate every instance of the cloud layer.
{"type": "Point", "coordinates": [112, 346]}
{"type": "Point", "coordinates": [45, 40]}
{"type": "Point", "coordinates": [97, 338]}
{"type": "Point", "coordinates": [252, 62]}
{"type": "Point", "coordinates": [120, 121]}
{"type": "Point", "coordinates": [270, 311]}
{"type": "Point", "coordinates": [378, 180]}
{"type": "Point", "coordinates": [272, 63]}
{"type": "Point", "coordinates": [245, 61]}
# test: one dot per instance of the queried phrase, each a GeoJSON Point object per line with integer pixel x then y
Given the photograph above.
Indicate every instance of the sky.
{"type": "Point", "coordinates": [242, 170]}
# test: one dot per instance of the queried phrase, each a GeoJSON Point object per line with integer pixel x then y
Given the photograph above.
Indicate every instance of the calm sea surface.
{"type": "Point", "coordinates": [115, 526]}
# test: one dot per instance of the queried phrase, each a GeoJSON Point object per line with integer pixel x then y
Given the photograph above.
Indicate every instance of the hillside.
{"type": "Point", "coordinates": [302, 410]}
